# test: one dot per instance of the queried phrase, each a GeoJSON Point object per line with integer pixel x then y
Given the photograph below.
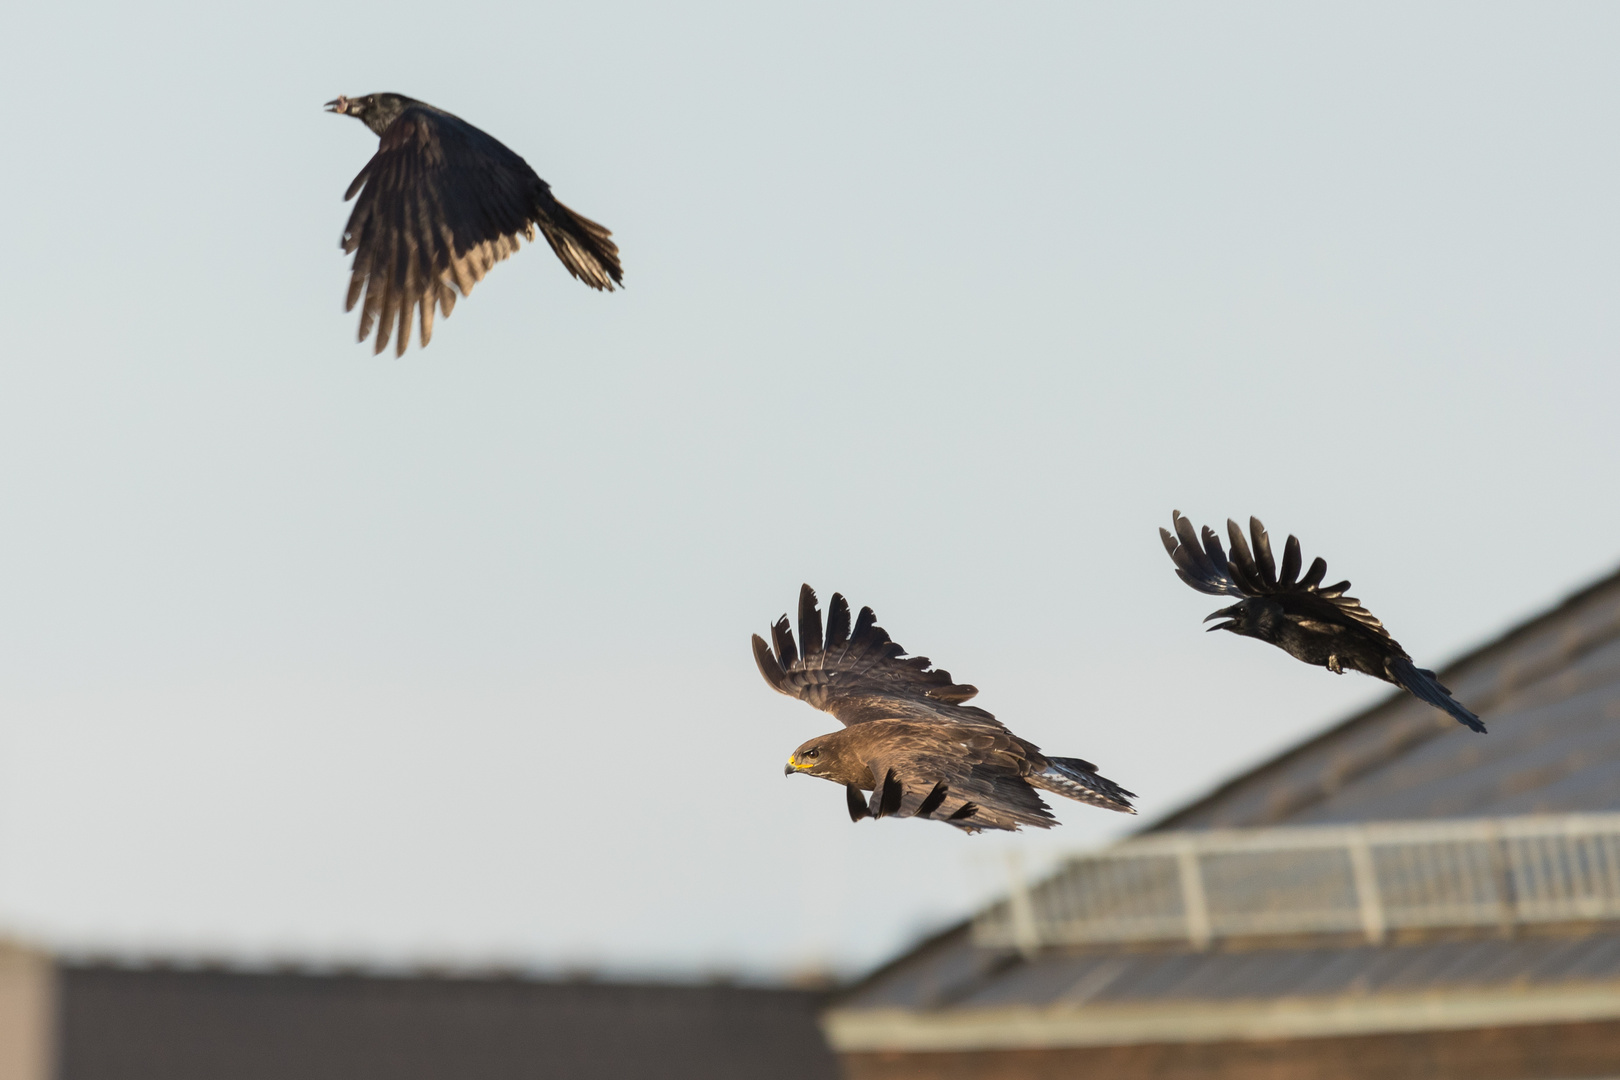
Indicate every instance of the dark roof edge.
{"type": "Point", "coordinates": [1507, 637]}
{"type": "Point", "coordinates": [100, 962]}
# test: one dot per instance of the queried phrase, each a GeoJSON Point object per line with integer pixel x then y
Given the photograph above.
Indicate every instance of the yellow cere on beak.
{"type": "Point", "coordinates": [793, 761]}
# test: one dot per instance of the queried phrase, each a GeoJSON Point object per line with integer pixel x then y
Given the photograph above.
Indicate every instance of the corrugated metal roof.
{"type": "Point", "coordinates": [1121, 977]}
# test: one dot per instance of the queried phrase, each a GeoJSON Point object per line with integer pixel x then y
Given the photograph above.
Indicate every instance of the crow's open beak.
{"type": "Point", "coordinates": [1221, 614]}
{"type": "Point", "coordinates": [338, 104]}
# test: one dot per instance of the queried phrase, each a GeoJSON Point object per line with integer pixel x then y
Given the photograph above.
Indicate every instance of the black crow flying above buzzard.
{"type": "Point", "coordinates": [908, 738]}
{"type": "Point", "coordinates": [442, 203]}
{"type": "Point", "coordinates": [1319, 625]}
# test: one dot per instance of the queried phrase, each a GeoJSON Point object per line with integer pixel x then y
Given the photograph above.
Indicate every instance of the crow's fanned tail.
{"type": "Point", "coordinates": [1422, 684]}
{"type": "Point", "coordinates": [583, 246]}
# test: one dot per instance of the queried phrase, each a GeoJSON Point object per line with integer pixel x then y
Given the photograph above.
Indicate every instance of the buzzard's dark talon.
{"type": "Point", "coordinates": [927, 807]}
{"type": "Point", "coordinates": [857, 803]}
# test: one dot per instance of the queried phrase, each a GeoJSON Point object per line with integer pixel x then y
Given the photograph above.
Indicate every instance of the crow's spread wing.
{"type": "Point", "coordinates": [857, 673]}
{"type": "Point", "coordinates": [441, 203]}
{"type": "Point", "coordinates": [1254, 573]}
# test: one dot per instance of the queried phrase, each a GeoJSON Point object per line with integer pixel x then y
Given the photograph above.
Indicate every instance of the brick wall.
{"type": "Point", "coordinates": [1544, 1052]}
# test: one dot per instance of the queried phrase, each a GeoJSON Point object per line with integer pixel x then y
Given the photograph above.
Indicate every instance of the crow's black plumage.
{"type": "Point", "coordinates": [1311, 622]}
{"type": "Point", "coordinates": [908, 738]}
{"type": "Point", "coordinates": [441, 202]}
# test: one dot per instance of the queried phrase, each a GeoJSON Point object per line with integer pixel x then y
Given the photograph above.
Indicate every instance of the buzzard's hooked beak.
{"type": "Point", "coordinates": [1221, 614]}
{"type": "Point", "coordinates": [792, 766]}
{"type": "Point", "coordinates": [339, 104]}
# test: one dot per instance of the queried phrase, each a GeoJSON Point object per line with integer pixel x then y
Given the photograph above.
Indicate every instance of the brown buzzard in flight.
{"type": "Point", "coordinates": [443, 203]}
{"type": "Point", "coordinates": [908, 738]}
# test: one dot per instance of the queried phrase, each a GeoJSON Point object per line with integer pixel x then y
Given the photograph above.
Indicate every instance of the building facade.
{"type": "Point", "coordinates": [86, 1020]}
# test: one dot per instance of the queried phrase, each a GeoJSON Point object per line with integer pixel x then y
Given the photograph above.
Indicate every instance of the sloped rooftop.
{"type": "Point", "coordinates": [1549, 690]}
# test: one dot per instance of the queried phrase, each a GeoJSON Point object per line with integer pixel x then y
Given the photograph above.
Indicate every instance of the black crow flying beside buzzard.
{"type": "Point", "coordinates": [1319, 625]}
{"type": "Point", "coordinates": [908, 738]}
{"type": "Point", "coordinates": [440, 204]}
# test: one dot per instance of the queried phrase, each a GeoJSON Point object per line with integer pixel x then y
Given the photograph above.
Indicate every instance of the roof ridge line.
{"type": "Point", "coordinates": [1367, 715]}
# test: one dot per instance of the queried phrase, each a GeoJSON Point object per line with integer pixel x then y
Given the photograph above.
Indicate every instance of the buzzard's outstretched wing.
{"type": "Point", "coordinates": [857, 673]}
{"type": "Point", "coordinates": [932, 776]}
{"type": "Point", "coordinates": [1254, 573]}
{"type": "Point", "coordinates": [440, 204]}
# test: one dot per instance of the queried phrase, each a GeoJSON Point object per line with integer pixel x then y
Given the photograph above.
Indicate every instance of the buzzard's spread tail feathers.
{"type": "Point", "coordinates": [1080, 781]}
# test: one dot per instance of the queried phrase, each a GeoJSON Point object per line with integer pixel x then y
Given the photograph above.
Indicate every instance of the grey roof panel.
{"type": "Point", "coordinates": [1309, 971]}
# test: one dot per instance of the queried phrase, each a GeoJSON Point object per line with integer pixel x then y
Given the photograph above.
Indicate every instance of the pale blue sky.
{"type": "Point", "coordinates": [310, 654]}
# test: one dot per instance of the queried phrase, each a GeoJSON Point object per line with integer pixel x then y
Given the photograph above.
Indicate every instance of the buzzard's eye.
{"type": "Point", "coordinates": [812, 753]}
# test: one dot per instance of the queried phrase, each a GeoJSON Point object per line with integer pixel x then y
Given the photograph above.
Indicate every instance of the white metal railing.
{"type": "Point", "coordinates": [1196, 886]}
